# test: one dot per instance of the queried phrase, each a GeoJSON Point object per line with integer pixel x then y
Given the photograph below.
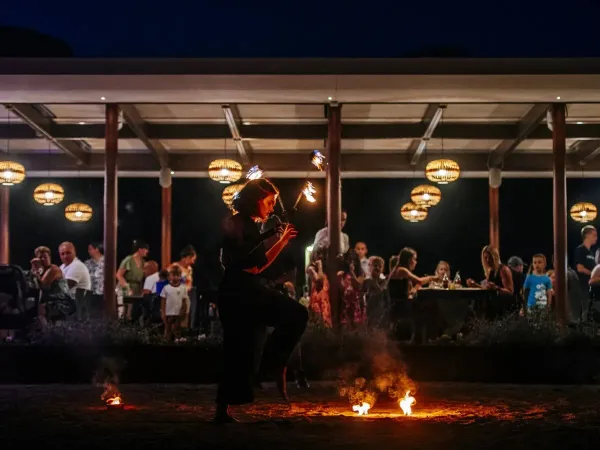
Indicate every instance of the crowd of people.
{"type": "Point", "coordinates": [76, 288]}
{"type": "Point", "coordinates": [370, 296]}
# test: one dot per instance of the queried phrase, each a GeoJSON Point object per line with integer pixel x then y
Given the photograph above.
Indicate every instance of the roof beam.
{"type": "Point", "coordinates": [290, 161]}
{"type": "Point", "coordinates": [586, 151]}
{"type": "Point", "coordinates": [526, 126]}
{"type": "Point", "coordinates": [42, 125]}
{"type": "Point", "coordinates": [140, 128]}
{"type": "Point", "coordinates": [234, 122]}
{"type": "Point", "coordinates": [483, 131]}
{"type": "Point", "coordinates": [431, 119]}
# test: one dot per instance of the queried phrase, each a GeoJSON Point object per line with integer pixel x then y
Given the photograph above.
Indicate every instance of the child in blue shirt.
{"type": "Point", "coordinates": [538, 286]}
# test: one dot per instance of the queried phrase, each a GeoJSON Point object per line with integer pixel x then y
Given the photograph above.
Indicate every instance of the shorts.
{"type": "Point", "coordinates": [173, 320]}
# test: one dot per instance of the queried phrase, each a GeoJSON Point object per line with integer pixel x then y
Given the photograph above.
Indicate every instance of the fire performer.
{"type": "Point", "coordinates": [246, 305]}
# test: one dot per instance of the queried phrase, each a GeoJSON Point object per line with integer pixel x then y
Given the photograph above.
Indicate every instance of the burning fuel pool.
{"type": "Point", "coordinates": [443, 416]}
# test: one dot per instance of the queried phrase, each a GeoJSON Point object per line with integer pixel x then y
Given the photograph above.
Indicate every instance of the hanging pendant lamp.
{"type": "Point", "coordinates": [229, 192]}
{"type": "Point", "coordinates": [584, 212]}
{"type": "Point", "coordinates": [225, 170]}
{"type": "Point", "coordinates": [11, 172]}
{"type": "Point", "coordinates": [78, 212]}
{"type": "Point", "coordinates": [49, 194]}
{"type": "Point", "coordinates": [442, 171]}
{"type": "Point", "coordinates": [426, 195]}
{"type": "Point", "coordinates": [413, 212]}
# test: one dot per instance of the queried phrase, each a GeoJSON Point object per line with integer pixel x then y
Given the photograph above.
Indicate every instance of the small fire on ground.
{"type": "Point", "coordinates": [406, 404]}
{"type": "Point", "coordinates": [111, 395]}
{"type": "Point", "coordinates": [362, 409]}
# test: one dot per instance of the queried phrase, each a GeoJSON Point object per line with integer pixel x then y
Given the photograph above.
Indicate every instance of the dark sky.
{"type": "Point", "coordinates": [177, 28]}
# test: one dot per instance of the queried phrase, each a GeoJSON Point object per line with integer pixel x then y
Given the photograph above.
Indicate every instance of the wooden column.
{"type": "Point", "coordinates": [110, 209]}
{"type": "Point", "coordinates": [495, 217]}
{"type": "Point", "coordinates": [559, 135]}
{"type": "Point", "coordinates": [165, 246]}
{"type": "Point", "coordinates": [4, 224]}
{"type": "Point", "coordinates": [334, 205]}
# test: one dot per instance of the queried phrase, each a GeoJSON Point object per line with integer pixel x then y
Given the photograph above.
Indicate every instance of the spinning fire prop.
{"type": "Point", "coordinates": [362, 409]}
{"type": "Point", "coordinates": [406, 404]}
{"type": "Point", "coordinates": [255, 173]}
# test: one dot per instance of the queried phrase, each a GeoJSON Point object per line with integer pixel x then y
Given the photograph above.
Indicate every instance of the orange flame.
{"type": "Point", "coordinates": [113, 401]}
{"type": "Point", "coordinates": [308, 192]}
{"type": "Point", "coordinates": [406, 404]}
{"type": "Point", "coordinates": [111, 394]}
{"type": "Point", "coordinates": [362, 409]}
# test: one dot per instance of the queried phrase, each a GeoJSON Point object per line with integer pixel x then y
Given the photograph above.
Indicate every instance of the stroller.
{"type": "Point", "coordinates": [18, 298]}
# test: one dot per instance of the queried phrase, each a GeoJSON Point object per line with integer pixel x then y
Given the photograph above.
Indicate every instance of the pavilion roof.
{"type": "Point", "coordinates": [184, 113]}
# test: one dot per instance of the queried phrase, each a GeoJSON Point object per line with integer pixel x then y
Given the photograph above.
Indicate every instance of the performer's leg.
{"type": "Point", "coordinates": [289, 319]}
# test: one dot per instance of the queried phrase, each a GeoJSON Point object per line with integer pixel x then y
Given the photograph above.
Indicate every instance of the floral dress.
{"type": "Point", "coordinates": [319, 307]}
{"type": "Point", "coordinates": [354, 311]}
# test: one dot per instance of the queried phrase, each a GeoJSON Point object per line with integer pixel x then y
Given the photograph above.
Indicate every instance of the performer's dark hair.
{"type": "Point", "coordinates": [246, 200]}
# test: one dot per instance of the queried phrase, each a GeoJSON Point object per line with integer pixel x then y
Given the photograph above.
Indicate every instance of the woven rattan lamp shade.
{"type": "Point", "coordinates": [225, 170]}
{"type": "Point", "coordinates": [11, 173]}
{"type": "Point", "coordinates": [78, 212]}
{"type": "Point", "coordinates": [426, 195]}
{"type": "Point", "coordinates": [442, 171]}
{"type": "Point", "coordinates": [49, 194]}
{"type": "Point", "coordinates": [413, 212]}
{"type": "Point", "coordinates": [584, 212]}
{"type": "Point", "coordinates": [229, 192]}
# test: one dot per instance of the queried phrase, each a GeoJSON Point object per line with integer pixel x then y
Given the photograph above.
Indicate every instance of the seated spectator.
{"type": "Point", "coordinates": [55, 302]}
{"type": "Point", "coordinates": [78, 279]}
{"type": "Point", "coordinates": [152, 277]}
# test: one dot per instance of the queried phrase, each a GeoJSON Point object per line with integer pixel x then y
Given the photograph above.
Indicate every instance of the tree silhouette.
{"type": "Point", "coordinates": [26, 43]}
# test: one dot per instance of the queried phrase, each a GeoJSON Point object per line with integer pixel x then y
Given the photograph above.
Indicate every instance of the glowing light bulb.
{"type": "Point", "coordinates": [413, 212]}
{"type": "Point", "coordinates": [49, 195]}
{"type": "Point", "coordinates": [78, 213]}
{"type": "Point", "coordinates": [425, 196]}
{"type": "Point", "coordinates": [224, 172]}
{"type": "Point", "coordinates": [443, 172]}
{"type": "Point", "coordinates": [583, 213]}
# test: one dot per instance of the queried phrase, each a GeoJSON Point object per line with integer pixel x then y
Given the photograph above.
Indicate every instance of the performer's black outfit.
{"type": "Point", "coordinates": [246, 307]}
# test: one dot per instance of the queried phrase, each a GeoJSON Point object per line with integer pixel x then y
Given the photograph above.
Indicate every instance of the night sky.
{"type": "Point", "coordinates": [508, 28]}
{"type": "Point", "coordinates": [456, 229]}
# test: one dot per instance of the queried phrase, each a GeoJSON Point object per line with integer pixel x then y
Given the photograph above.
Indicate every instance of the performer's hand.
{"type": "Point", "coordinates": [289, 232]}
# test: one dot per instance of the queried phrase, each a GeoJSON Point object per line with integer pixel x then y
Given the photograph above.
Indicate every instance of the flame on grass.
{"type": "Point", "coordinates": [362, 409]}
{"type": "Point", "coordinates": [406, 404]}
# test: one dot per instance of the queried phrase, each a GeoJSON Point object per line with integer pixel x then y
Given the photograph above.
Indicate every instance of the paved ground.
{"type": "Point", "coordinates": [446, 416]}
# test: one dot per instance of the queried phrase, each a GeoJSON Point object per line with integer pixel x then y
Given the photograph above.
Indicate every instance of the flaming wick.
{"type": "Point", "coordinates": [318, 160]}
{"type": "Point", "coordinates": [406, 404]}
{"type": "Point", "coordinates": [362, 409]}
{"type": "Point", "coordinates": [307, 191]}
{"type": "Point", "coordinates": [255, 173]}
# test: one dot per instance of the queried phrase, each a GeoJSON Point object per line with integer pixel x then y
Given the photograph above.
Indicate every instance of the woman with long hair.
{"type": "Point", "coordinates": [319, 306]}
{"type": "Point", "coordinates": [247, 306]}
{"type": "Point", "coordinates": [498, 278]}
{"type": "Point", "coordinates": [404, 284]}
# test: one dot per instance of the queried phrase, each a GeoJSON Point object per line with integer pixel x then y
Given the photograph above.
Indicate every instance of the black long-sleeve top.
{"type": "Point", "coordinates": [243, 246]}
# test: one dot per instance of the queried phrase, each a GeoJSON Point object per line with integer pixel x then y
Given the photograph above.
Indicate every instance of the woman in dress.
{"type": "Point", "coordinates": [247, 306]}
{"type": "Point", "coordinates": [131, 273]}
{"type": "Point", "coordinates": [354, 311]}
{"type": "Point", "coordinates": [319, 306]}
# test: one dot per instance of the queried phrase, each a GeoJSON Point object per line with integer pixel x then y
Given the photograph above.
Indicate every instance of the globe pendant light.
{"type": "Point", "coordinates": [229, 192]}
{"type": "Point", "coordinates": [225, 170]}
{"type": "Point", "coordinates": [442, 171]}
{"type": "Point", "coordinates": [11, 172]}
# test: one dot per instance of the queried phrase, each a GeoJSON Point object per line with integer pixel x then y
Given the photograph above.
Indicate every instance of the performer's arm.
{"type": "Point", "coordinates": [288, 233]}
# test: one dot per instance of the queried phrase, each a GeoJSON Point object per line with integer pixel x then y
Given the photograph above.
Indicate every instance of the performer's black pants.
{"type": "Point", "coordinates": [246, 307]}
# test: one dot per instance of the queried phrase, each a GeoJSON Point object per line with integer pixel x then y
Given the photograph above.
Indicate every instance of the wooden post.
{"type": "Point", "coordinates": [494, 217]}
{"type": "Point", "coordinates": [559, 135]}
{"type": "Point", "coordinates": [110, 209]}
{"type": "Point", "coordinates": [334, 205]}
{"type": "Point", "coordinates": [165, 246]}
{"type": "Point", "coordinates": [4, 225]}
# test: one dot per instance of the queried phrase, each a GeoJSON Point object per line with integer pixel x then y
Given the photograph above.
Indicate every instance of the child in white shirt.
{"type": "Point", "coordinates": [174, 297]}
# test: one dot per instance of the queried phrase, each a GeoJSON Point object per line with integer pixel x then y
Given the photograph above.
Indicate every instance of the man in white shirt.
{"type": "Point", "coordinates": [322, 237]}
{"type": "Point", "coordinates": [152, 277]}
{"type": "Point", "coordinates": [78, 278]}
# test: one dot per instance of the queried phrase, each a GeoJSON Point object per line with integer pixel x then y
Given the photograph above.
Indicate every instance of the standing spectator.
{"type": "Point", "coordinates": [322, 236]}
{"type": "Point", "coordinates": [131, 274]}
{"type": "Point", "coordinates": [319, 306]}
{"type": "Point", "coordinates": [187, 259]}
{"type": "Point", "coordinates": [584, 257]}
{"type": "Point", "coordinates": [516, 265]}
{"type": "Point", "coordinates": [538, 285]}
{"type": "Point", "coordinates": [376, 294]}
{"type": "Point", "coordinates": [174, 295]}
{"type": "Point", "coordinates": [95, 266]}
{"type": "Point", "coordinates": [351, 279]}
{"type": "Point", "coordinates": [78, 279]}
{"type": "Point", "coordinates": [361, 250]}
